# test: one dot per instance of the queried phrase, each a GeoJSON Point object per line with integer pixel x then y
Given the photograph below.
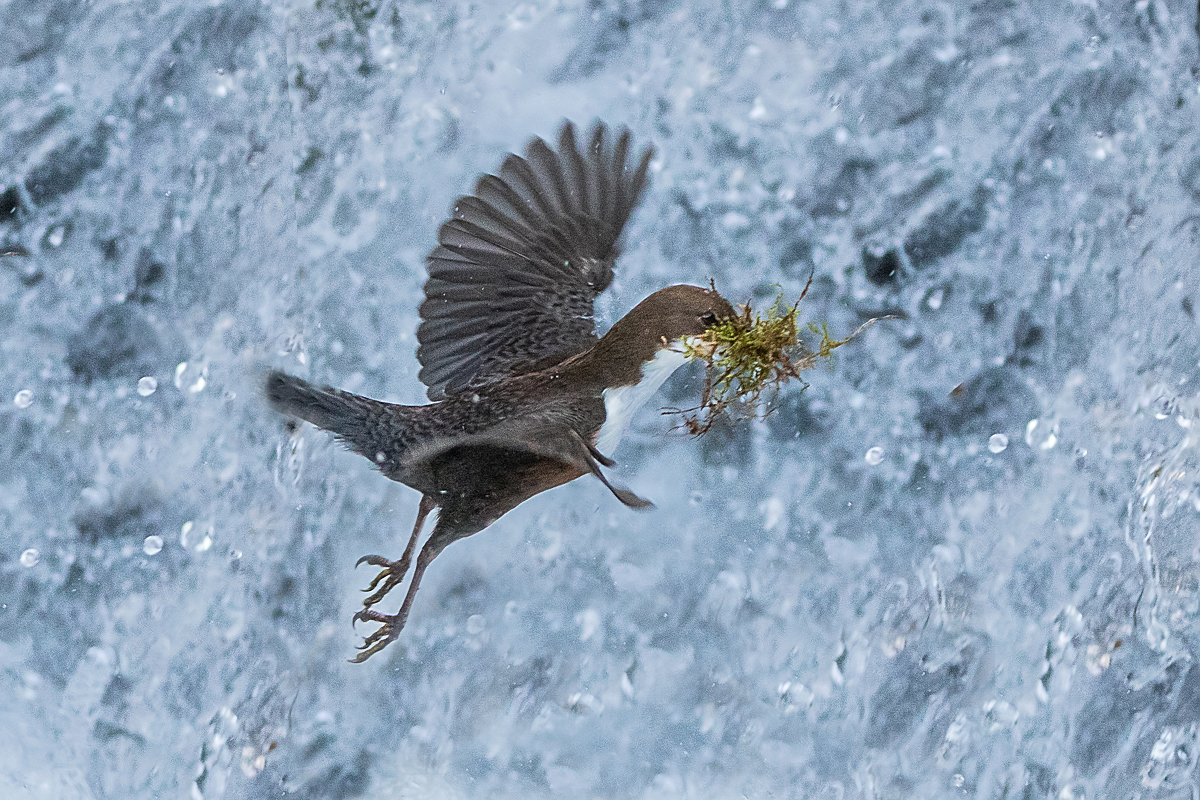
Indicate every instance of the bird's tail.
{"type": "Point", "coordinates": [370, 427]}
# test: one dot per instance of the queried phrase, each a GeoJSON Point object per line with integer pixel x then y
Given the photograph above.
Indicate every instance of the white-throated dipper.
{"type": "Point", "coordinates": [525, 396]}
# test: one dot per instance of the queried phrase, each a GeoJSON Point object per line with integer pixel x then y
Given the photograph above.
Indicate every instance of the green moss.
{"type": "Point", "coordinates": [749, 357]}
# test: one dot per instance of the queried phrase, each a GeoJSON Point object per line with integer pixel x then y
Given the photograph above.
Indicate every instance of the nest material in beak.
{"type": "Point", "coordinates": [749, 358]}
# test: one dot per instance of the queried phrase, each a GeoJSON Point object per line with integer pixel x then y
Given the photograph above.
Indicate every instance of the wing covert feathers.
{"type": "Point", "coordinates": [517, 268]}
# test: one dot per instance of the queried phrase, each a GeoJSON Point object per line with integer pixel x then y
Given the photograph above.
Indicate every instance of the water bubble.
{"type": "Point", "coordinates": [23, 399]}
{"type": "Point", "coordinates": [30, 557]}
{"type": "Point", "coordinates": [152, 545]}
{"type": "Point", "coordinates": [874, 456]}
{"type": "Point", "coordinates": [774, 512]}
{"type": "Point", "coordinates": [997, 443]}
{"type": "Point", "coordinates": [589, 622]}
{"type": "Point", "coordinates": [475, 624]}
{"type": "Point", "coordinates": [194, 376]}
{"type": "Point", "coordinates": [1163, 407]}
{"type": "Point", "coordinates": [194, 539]}
{"type": "Point", "coordinates": [1042, 435]}
{"type": "Point", "coordinates": [147, 385]}
{"type": "Point", "coordinates": [696, 498]}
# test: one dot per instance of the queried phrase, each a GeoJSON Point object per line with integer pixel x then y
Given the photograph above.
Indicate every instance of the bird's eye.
{"type": "Point", "coordinates": [708, 318]}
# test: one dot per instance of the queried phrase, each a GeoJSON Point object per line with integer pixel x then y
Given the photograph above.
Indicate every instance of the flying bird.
{"type": "Point", "coordinates": [525, 396]}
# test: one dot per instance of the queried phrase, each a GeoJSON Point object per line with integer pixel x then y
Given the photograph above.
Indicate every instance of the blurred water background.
{"type": "Point", "coordinates": [890, 588]}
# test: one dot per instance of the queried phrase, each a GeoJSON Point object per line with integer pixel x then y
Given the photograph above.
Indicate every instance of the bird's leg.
{"type": "Point", "coordinates": [596, 454]}
{"type": "Point", "coordinates": [393, 571]}
{"type": "Point", "coordinates": [392, 624]}
{"type": "Point", "coordinates": [591, 458]}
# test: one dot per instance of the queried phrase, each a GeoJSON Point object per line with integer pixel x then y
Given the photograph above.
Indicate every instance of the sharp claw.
{"type": "Point", "coordinates": [391, 575]}
{"type": "Point", "coordinates": [367, 615]}
{"type": "Point", "coordinates": [378, 639]}
{"type": "Point", "coordinates": [363, 656]}
{"type": "Point", "coordinates": [388, 585]}
{"type": "Point", "coordinates": [393, 579]}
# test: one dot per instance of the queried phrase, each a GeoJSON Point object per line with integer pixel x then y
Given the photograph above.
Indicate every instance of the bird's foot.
{"type": "Point", "coordinates": [391, 625]}
{"type": "Point", "coordinates": [389, 577]}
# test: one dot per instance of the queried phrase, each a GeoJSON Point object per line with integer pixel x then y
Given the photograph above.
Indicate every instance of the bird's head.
{"type": "Point", "coordinates": [664, 320]}
{"type": "Point", "coordinates": [672, 314]}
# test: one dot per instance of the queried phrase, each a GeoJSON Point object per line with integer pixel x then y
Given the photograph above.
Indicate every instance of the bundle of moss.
{"type": "Point", "coordinates": [748, 359]}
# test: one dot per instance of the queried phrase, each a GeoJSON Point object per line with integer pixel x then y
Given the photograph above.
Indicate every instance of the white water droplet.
{"type": "Point", "coordinates": [589, 622]}
{"type": "Point", "coordinates": [1042, 435]}
{"type": "Point", "coordinates": [997, 443]}
{"type": "Point", "coordinates": [147, 385]}
{"type": "Point", "coordinates": [774, 512]}
{"type": "Point", "coordinates": [152, 545]}
{"type": "Point", "coordinates": [194, 539]}
{"type": "Point", "coordinates": [193, 377]}
{"type": "Point", "coordinates": [23, 399]}
{"type": "Point", "coordinates": [475, 624]}
{"type": "Point", "coordinates": [185, 534]}
{"type": "Point", "coordinates": [874, 456]}
{"type": "Point", "coordinates": [30, 557]}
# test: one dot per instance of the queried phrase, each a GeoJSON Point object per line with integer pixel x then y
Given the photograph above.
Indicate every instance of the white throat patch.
{"type": "Point", "coordinates": [621, 402]}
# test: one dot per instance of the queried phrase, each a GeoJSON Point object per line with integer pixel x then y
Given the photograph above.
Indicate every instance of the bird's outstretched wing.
{"type": "Point", "coordinates": [517, 268]}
